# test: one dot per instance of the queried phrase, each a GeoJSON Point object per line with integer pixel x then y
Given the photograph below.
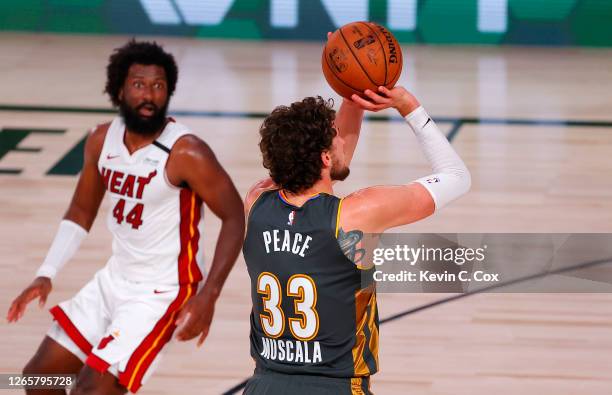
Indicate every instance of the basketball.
{"type": "Point", "coordinates": [360, 56]}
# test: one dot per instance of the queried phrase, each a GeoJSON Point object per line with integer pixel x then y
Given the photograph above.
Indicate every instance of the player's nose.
{"type": "Point", "coordinates": [147, 93]}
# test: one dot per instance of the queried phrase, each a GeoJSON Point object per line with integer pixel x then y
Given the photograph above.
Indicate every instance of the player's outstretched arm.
{"type": "Point", "coordinates": [193, 162]}
{"type": "Point", "coordinates": [378, 208]}
{"type": "Point", "coordinates": [348, 123]}
{"type": "Point", "coordinates": [73, 228]}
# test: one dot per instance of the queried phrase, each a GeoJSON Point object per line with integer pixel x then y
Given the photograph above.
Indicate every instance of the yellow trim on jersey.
{"type": "Point", "coordinates": [362, 298]}
{"type": "Point", "coordinates": [286, 199]}
{"type": "Point", "coordinates": [338, 217]}
{"type": "Point", "coordinates": [373, 344]}
{"type": "Point", "coordinates": [282, 193]}
{"type": "Point", "coordinates": [356, 386]}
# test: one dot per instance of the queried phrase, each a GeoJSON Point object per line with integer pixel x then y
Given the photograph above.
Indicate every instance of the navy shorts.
{"type": "Point", "coordinates": [268, 382]}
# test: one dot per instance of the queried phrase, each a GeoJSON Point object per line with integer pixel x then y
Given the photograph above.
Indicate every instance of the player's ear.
{"type": "Point", "coordinates": [120, 94]}
{"type": "Point", "coordinates": [326, 158]}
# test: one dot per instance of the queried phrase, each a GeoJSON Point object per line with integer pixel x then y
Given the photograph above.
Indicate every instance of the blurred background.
{"type": "Point", "coordinates": [522, 88]}
{"type": "Point", "coordinates": [540, 22]}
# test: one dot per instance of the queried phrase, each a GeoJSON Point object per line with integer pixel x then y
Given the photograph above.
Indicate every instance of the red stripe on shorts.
{"type": "Point", "coordinates": [71, 330]}
{"type": "Point", "coordinates": [97, 363]}
{"type": "Point", "coordinates": [145, 353]}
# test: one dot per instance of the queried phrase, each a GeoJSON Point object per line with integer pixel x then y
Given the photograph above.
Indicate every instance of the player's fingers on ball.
{"type": "Point", "coordinates": [377, 98]}
{"type": "Point", "coordinates": [362, 102]}
{"type": "Point", "coordinates": [372, 96]}
{"type": "Point", "coordinates": [356, 97]}
{"type": "Point", "coordinates": [359, 100]}
{"type": "Point", "coordinates": [384, 90]}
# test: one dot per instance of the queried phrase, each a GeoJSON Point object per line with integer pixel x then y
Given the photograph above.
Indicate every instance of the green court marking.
{"type": "Point", "coordinates": [261, 115]}
{"type": "Point", "coordinates": [10, 138]}
{"type": "Point", "coordinates": [72, 163]}
{"type": "Point", "coordinates": [10, 171]}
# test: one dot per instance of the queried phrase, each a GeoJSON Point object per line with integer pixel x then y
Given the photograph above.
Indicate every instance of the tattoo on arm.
{"type": "Point", "coordinates": [349, 243]}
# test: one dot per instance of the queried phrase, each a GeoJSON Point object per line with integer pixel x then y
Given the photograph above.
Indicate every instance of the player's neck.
{"type": "Point", "coordinates": [321, 186]}
{"type": "Point", "coordinates": [135, 141]}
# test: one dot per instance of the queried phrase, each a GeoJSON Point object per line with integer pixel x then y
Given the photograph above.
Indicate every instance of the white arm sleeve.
{"type": "Point", "coordinates": [66, 243]}
{"type": "Point", "coordinates": [450, 178]}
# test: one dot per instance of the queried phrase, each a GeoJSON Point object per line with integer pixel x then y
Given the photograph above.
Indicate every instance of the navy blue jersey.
{"type": "Point", "coordinates": [311, 314]}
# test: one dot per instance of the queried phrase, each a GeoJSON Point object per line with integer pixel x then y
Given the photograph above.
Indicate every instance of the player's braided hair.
{"type": "Point", "coordinates": [138, 52]}
{"type": "Point", "coordinates": [292, 140]}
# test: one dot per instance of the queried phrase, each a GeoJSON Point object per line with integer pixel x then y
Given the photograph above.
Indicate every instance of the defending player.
{"type": "Point", "coordinates": [314, 326]}
{"type": "Point", "coordinates": [157, 174]}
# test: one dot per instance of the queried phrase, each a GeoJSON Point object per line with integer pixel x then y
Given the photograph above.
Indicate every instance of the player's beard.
{"type": "Point", "coordinates": [338, 171]}
{"type": "Point", "coordinates": [143, 125]}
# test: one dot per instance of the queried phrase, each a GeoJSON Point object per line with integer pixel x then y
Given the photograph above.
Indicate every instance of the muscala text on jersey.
{"type": "Point", "coordinates": [291, 350]}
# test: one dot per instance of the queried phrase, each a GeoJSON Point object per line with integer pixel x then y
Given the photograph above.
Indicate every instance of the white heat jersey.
{"type": "Point", "coordinates": [156, 226]}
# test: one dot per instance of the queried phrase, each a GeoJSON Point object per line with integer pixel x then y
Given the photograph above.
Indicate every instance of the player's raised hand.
{"type": "Point", "coordinates": [398, 98]}
{"type": "Point", "coordinates": [194, 318]}
{"type": "Point", "coordinates": [39, 288]}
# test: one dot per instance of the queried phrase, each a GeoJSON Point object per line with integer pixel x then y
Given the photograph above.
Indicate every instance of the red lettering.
{"type": "Point", "coordinates": [118, 211]}
{"type": "Point", "coordinates": [116, 181]}
{"type": "Point", "coordinates": [135, 216]}
{"type": "Point", "coordinates": [143, 181]}
{"type": "Point", "coordinates": [106, 176]}
{"type": "Point", "coordinates": [128, 186]}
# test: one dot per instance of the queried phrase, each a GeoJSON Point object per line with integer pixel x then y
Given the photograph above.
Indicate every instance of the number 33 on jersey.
{"type": "Point", "coordinates": [312, 313]}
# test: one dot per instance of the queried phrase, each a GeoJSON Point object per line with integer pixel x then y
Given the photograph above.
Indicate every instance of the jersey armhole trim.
{"type": "Point", "coordinates": [338, 217]}
{"type": "Point", "coordinates": [161, 146]}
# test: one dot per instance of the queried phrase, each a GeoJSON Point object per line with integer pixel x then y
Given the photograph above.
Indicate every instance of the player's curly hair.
{"type": "Point", "coordinates": [137, 52]}
{"type": "Point", "coordinates": [292, 140]}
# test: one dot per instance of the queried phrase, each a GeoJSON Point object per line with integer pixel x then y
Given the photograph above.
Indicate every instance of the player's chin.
{"type": "Point", "coordinates": [341, 175]}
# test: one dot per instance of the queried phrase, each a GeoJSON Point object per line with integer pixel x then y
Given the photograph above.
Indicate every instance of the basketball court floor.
{"type": "Point", "coordinates": [534, 126]}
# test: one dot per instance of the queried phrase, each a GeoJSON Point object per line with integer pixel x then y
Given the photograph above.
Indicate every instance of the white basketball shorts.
{"type": "Point", "coordinates": [119, 326]}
